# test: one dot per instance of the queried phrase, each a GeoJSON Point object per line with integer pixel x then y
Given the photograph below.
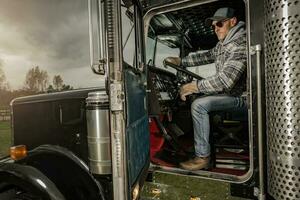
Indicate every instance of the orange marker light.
{"type": "Point", "coordinates": [18, 152]}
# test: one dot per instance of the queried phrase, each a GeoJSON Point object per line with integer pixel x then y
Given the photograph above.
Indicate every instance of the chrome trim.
{"type": "Point", "coordinates": [261, 195]}
{"type": "Point", "coordinates": [116, 99]}
{"type": "Point", "coordinates": [195, 174]}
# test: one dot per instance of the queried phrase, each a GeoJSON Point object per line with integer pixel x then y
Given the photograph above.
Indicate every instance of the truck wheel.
{"type": "Point", "coordinates": [26, 196]}
{"type": "Point", "coordinates": [16, 194]}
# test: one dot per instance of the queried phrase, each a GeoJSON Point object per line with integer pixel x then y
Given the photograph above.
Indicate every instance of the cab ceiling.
{"type": "Point", "coordinates": [146, 4]}
{"type": "Point", "coordinates": [153, 3]}
{"type": "Point", "coordinates": [187, 26]}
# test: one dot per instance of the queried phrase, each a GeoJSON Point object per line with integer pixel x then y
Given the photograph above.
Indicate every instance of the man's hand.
{"type": "Point", "coordinates": [188, 89]}
{"type": "Point", "coordinates": [173, 60]}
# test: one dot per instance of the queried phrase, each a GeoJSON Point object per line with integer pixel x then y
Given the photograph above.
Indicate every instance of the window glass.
{"type": "Point", "coordinates": [163, 51]}
{"type": "Point", "coordinates": [150, 50]}
{"type": "Point", "coordinates": [204, 70]}
{"type": "Point", "coordinates": [128, 38]}
{"type": "Point", "coordinates": [132, 39]}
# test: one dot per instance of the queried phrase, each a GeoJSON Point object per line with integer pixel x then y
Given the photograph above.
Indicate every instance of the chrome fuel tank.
{"type": "Point", "coordinates": [97, 115]}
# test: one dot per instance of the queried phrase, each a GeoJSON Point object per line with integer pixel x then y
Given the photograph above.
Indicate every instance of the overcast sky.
{"type": "Point", "coordinates": [51, 34]}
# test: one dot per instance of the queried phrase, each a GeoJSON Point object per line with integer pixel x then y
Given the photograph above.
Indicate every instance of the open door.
{"type": "Point", "coordinates": [118, 52]}
{"type": "Point", "coordinates": [134, 72]}
{"type": "Point", "coordinates": [178, 29]}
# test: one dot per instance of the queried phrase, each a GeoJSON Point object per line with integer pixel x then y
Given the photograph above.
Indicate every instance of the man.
{"type": "Point", "coordinates": [223, 89]}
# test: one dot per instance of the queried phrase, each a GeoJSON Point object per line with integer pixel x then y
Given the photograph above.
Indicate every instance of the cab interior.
{"type": "Point", "coordinates": [178, 33]}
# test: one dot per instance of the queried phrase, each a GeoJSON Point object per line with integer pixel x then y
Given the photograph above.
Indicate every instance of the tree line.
{"type": "Point", "coordinates": [36, 82]}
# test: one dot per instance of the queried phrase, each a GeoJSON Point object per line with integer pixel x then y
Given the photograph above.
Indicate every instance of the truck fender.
{"type": "Point", "coordinates": [68, 172]}
{"type": "Point", "coordinates": [28, 179]}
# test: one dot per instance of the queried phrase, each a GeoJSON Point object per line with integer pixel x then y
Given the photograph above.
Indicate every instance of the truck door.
{"type": "Point", "coordinates": [118, 52]}
{"type": "Point", "coordinates": [129, 122]}
{"type": "Point", "coordinates": [137, 136]}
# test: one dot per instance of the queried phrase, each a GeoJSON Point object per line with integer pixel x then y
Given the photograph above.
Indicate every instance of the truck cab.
{"type": "Point", "coordinates": [114, 135]}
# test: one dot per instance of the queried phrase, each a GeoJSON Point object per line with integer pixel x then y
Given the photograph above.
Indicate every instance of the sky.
{"type": "Point", "coordinates": [50, 34]}
{"type": "Point", "coordinates": [53, 34]}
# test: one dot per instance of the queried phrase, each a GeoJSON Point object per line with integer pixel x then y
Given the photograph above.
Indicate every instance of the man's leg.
{"type": "Point", "coordinates": [200, 113]}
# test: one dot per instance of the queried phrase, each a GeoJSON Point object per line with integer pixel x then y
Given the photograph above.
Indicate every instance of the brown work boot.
{"type": "Point", "coordinates": [196, 163]}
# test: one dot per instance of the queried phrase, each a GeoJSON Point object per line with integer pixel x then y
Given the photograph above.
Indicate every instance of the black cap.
{"type": "Point", "coordinates": [221, 14]}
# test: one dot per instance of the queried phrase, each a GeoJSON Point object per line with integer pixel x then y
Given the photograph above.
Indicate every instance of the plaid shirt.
{"type": "Point", "coordinates": [230, 58]}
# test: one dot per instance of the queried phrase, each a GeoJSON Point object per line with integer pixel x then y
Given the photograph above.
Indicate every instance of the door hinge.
{"type": "Point", "coordinates": [254, 49]}
{"type": "Point", "coordinates": [116, 97]}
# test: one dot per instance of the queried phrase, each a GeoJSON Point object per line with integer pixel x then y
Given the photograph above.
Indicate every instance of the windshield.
{"type": "Point", "coordinates": [162, 52]}
{"type": "Point", "coordinates": [204, 70]}
{"type": "Point", "coordinates": [157, 52]}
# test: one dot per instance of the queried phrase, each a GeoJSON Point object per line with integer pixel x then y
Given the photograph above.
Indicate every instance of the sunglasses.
{"type": "Point", "coordinates": [219, 24]}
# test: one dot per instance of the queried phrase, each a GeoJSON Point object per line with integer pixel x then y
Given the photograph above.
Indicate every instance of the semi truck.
{"type": "Point", "coordinates": [105, 142]}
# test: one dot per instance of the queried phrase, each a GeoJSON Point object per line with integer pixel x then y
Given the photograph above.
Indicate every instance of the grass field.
{"type": "Point", "coordinates": [5, 138]}
{"type": "Point", "coordinates": [164, 186]}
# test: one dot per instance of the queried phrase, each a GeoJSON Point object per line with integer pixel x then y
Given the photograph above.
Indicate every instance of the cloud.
{"type": "Point", "coordinates": [53, 29]}
{"type": "Point", "coordinates": [51, 34]}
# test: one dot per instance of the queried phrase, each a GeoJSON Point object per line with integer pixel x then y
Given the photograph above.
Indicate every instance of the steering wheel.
{"type": "Point", "coordinates": [189, 75]}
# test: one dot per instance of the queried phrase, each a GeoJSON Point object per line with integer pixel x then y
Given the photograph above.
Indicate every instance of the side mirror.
{"type": "Point", "coordinates": [98, 60]}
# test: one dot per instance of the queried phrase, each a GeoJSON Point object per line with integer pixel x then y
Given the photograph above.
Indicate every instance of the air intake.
{"type": "Point", "coordinates": [282, 50]}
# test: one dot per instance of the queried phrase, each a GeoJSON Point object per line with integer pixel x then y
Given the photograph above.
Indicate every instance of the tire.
{"type": "Point", "coordinates": [16, 194]}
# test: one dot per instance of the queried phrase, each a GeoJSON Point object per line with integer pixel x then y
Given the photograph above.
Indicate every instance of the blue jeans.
{"type": "Point", "coordinates": [200, 113]}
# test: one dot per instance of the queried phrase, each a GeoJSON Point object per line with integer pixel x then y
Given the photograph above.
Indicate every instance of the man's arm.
{"type": "Point", "coordinates": [225, 79]}
{"type": "Point", "coordinates": [194, 59]}
{"type": "Point", "coordinates": [199, 58]}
